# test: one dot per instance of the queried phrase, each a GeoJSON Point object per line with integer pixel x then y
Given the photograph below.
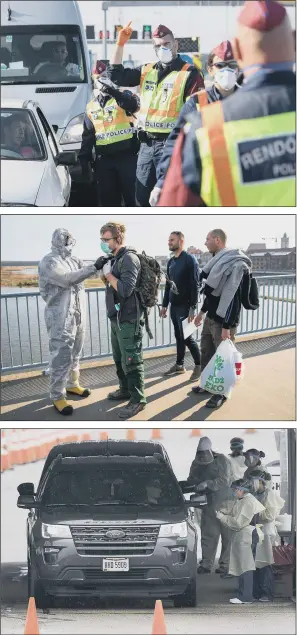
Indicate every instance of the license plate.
{"type": "Point", "coordinates": [115, 564]}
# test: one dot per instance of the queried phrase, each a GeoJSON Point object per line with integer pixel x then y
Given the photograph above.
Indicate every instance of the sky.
{"type": "Point", "coordinates": [28, 237]}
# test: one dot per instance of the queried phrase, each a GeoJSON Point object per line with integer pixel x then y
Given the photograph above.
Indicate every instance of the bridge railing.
{"type": "Point", "coordinates": [24, 340]}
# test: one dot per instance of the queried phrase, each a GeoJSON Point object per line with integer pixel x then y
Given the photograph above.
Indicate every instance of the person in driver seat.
{"type": "Point", "coordinates": [56, 54]}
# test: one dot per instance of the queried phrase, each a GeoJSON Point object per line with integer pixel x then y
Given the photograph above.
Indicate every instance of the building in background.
{"type": "Point", "coordinates": [279, 260]}
{"type": "Point", "coordinates": [199, 28]}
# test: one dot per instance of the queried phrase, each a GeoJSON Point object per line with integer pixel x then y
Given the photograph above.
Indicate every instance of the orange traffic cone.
{"type": "Point", "coordinates": [130, 436]}
{"type": "Point", "coordinates": [103, 436]}
{"type": "Point", "coordinates": [86, 437]}
{"type": "Point", "coordinates": [156, 434]}
{"type": "Point", "coordinates": [159, 626]}
{"type": "Point", "coordinates": [31, 626]}
{"type": "Point", "coordinates": [195, 433]}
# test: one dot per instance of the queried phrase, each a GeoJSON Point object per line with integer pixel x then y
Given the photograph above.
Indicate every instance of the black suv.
{"type": "Point", "coordinates": [110, 519]}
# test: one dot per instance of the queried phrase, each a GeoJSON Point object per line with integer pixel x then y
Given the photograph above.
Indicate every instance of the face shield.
{"type": "Point", "coordinates": [204, 457]}
{"type": "Point", "coordinates": [251, 460]}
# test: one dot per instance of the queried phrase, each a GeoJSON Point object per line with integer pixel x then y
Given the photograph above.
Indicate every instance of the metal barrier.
{"type": "Point", "coordinates": [24, 340]}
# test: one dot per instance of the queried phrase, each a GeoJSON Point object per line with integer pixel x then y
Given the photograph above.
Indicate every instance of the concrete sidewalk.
{"type": "Point", "coordinates": [266, 392]}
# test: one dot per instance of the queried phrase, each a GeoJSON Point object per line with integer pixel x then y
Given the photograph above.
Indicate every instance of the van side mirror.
{"type": "Point", "coordinates": [26, 501]}
{"type": "Point", "coordinates": [66, 158]}
{"type": "Point", "coordinates": [26, 489]}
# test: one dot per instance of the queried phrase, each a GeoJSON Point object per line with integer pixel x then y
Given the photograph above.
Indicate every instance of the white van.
{"type": "Point", "coordinates": [44, 58]}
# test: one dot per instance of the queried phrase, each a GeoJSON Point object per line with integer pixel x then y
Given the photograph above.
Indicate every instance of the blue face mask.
{"type": "Point", "coordinates": [105, 248]}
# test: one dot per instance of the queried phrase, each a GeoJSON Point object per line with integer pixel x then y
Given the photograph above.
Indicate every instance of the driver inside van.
{"type": "Point", "coordinates": [56, 54]}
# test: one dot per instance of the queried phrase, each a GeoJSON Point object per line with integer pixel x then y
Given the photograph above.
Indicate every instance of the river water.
{"type": "Point", "coordinates": [22, 319]}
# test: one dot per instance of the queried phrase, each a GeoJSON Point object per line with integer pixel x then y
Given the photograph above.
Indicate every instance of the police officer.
{"type": "Point", "coordinates": [164, 87]}
{"type": "Point", "coordinates": [109, 128]}
{"type": "Point", "coordinates": [224, 70]}
{"type": "Point", "coordinates": [246, 143]}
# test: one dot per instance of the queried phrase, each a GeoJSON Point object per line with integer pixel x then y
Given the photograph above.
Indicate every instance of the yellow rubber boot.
{"type": "Point", "coordinates": [63, 407]}
{"type": "Point", "coordinates": [78, 390]}
{"type": "Point", "coordinates": [75, 388]}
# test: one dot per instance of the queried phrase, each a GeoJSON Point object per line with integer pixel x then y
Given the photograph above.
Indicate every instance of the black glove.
{"type": "Point", "coordinates": [99, 264]}
{"type": "Point", "coordinates": [108, 87]}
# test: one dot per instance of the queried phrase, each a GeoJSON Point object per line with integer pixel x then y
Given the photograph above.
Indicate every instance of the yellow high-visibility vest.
{"type": "Point", "coordinates": [110, 122]}
{"type": "Point", "coordinates": [161, 103]}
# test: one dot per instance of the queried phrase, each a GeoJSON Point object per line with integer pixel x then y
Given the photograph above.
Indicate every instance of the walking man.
{"type": "Point", "coordinates": [182, 269]}
{"type": "Point", "coordinates": [224, 293]}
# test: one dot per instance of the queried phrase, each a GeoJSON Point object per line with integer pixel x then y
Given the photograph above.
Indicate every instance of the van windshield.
{"type": "Point", "coordinates": [47, 55]}
{"type": "Point", "coordinates": [119, 485]}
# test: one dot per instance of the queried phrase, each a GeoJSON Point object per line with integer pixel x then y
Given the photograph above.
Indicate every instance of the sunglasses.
{"type": "Point", "coordinates": [232, 65]}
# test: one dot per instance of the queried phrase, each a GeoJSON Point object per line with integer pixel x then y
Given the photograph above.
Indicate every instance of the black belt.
{"type": "Point", "coordinates": [145, 137]}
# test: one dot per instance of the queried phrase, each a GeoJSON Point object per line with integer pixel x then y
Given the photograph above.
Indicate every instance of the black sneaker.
{"type": "Point", "coordinates": [119, 395]}
{"type": "Point", "coordinates": [203, 570]}
{"type": "Point", "coordinates": [221, 570]}
{"type": "Point", "coordinates": [131, 410]}
{"type": "Point", "coordinates": [198, 391]}
{"type": "Point", "coordinates": [216, 401]}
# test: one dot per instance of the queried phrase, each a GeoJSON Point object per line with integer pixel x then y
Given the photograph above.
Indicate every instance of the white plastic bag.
{"type": "Point", "coordinates": [219, 376]}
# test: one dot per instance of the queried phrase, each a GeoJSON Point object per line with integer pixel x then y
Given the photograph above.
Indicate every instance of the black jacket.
{"type": "Point", "coordinates": [126, 100]}
{"type": "Point", "coordinates": [211, 304]}
{"type": "Point", "coordinates": [184, 272]}
{"type": "Point", "coordinates": [126, 268]}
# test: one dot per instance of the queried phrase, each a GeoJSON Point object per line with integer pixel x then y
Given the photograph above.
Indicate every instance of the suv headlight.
{"type": "Point", "coordinates": [55, 531]}
{"type": "Point", "coordinates": [179, 530]}
{"type": "Point", "coordinates": [74, 130]}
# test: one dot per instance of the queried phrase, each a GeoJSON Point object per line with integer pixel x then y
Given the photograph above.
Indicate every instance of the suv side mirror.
{"type": "Point", "coordinates": [26, 501]}
{"type": "Point", "coordinates": [66, 158]}
{"type": "Point", "coordinates": [26, 489]}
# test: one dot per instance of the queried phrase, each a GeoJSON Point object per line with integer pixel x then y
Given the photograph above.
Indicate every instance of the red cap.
{"type": "Point", "coordinates": [262, 15]}
{"type": "Point", "coordinates": [100, 67]}
{"type": "Point", "coordinates": [224, 51]}
{"type": "Point", "coordinates": [161, 31]}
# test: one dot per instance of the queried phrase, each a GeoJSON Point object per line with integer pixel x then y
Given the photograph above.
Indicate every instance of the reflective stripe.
{"type": "Point", "coordinates": [213, 121]}
{"type": "Point", "coordinates": [146, 70]}
{"type": "Point", "coordinates": [202, 98]}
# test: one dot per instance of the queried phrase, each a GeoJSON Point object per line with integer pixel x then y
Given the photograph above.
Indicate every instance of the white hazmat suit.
{"type": "Point", "coordinates": [61, 277]}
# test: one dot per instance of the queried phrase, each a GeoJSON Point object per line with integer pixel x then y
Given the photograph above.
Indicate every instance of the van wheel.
{"type": "Point", "coordinates": [36, 590]}
{"type": "Point", "coordinates": [188, 598]}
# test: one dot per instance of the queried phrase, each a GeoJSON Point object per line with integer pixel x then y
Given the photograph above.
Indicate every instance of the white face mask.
{"type": "Point", "coordinates": [165, 55]}
{"type": "Point", "coordinates": [226, 78]}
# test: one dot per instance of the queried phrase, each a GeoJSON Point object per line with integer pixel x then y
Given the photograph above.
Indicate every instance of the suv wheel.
{"type": "Point", "coordinates": [188, 598]}
{"type": "Point", "coordinates": [36, 590]}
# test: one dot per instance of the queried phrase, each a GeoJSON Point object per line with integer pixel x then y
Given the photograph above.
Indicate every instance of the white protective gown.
{"type": "Point", "coordinates": [61, 277]}
{"type": "Point", "coordinates": [238, 466]}
{"type": "Point", "coordinates": [273, 503]}
{"type": "Point", "coordinates": [238, 519]}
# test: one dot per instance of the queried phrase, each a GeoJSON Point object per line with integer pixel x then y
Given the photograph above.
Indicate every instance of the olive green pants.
{"type": "Point", "coordinates": [128, 358]}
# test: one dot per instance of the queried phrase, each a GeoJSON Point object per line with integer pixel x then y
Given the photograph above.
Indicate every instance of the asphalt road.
{"type": "Point", "coordinates": [213, 614]}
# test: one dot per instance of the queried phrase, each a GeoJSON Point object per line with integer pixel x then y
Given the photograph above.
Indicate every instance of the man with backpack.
{"type": "Point", "coordinates": [121, 274]}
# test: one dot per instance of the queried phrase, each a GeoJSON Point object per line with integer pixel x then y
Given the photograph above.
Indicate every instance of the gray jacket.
{"type": "Point", "coordinates": [218, 476]}
{"type": "Point", "coordinates": [126, 268]}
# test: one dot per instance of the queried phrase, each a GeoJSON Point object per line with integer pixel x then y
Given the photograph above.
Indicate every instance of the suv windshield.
{"type": "Point", "coordinates": [119, 485]}
{"type": "Point", "coordinates": [20, 139]}
{"type": "Point", "coordinates": [32, 55]}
